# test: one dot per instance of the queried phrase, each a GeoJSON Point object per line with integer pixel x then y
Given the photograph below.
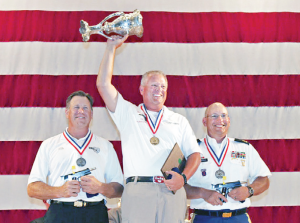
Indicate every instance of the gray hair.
{"type": "Point", "coordinates": [148, 74]}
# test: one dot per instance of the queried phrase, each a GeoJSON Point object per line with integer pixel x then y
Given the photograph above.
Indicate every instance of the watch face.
{"type": "Point", "coordinates": [251, 191]}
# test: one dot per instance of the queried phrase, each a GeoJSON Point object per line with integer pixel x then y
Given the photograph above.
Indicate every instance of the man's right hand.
{"type": "Point", "coordinates": [116, 41]}
{"type": "Point", "coordinates": [213, 197]}
{"type": "Point", "coordinates": [70, 189]}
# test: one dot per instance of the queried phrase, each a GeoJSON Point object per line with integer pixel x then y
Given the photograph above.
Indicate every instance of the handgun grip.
{"type": "Point", "coordinates": [91, 195]}
{"type": "Point", "coordinates": [175, 169]}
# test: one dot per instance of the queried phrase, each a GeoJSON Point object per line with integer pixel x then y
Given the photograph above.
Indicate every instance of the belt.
{"type": "Point", "coordinates": [222, 213]}
{"type": "Point", "coordinates": [155, 179]}
{"type": "Point", "coordinates": [79, 203]}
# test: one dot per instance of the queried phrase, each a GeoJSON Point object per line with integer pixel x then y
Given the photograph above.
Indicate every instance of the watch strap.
{"type": "Point", "coordinates": [251, 191]}
{"type": "Point", "coordinates": [184, 178]}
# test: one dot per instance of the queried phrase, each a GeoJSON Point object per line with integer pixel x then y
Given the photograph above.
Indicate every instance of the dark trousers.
{"type": "Point", "coordinates": [244, 218]}
{"type": "Point", "coordinates": [59, 213]}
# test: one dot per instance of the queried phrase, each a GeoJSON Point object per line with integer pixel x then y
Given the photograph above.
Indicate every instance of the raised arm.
{"type": "Point", "coordinates": [107, 91]}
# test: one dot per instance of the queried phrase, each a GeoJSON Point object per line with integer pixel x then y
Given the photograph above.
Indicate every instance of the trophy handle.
{"type": "Point", "coordinates": [110, 16]}
{"type": "Point", "coordinates": [104, 20]}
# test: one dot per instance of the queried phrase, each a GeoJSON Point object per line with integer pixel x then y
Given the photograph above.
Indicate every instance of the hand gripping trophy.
{"type": "Point", "coordinates": [130, 24]}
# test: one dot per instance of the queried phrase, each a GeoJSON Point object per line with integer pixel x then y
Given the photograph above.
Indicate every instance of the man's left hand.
{"type": "Point", "coordinates": [239, 194]}
{"type": "Point", "coordinates": [90, 184]}
{"type": "Point", "coordinates": [176, 182]}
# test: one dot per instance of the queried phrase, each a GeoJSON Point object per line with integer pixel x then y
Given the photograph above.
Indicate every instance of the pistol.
{"type": "Point", "coordinates": [77, 175]}
{"type": "Point", "coordinates": [224, 189]}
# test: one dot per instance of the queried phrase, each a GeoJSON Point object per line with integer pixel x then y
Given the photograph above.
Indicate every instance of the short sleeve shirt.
{"type": "Point", "coordinates": [241, 163]}
{"type": "Point", "coordinates": [57, 155]}
{"type": "Point", "coordinates": [140, 157]}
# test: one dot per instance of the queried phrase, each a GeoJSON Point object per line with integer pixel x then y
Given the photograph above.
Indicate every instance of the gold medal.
{"type": "Point", "coordinates": [153, 125]}
{"type": "Point", "coordinates": [154, 140]}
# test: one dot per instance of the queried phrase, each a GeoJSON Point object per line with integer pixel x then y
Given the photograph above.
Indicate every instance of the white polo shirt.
{"type": "Point", "coordinates": [140, 157]}
{"type": "Point", "coordinates": [56, 156]}
{"type": "Point", "coordinates": [241, 163]}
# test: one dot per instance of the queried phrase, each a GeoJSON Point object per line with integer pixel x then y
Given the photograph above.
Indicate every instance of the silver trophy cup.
{"type": "Point", "coordinates": [130, 24]}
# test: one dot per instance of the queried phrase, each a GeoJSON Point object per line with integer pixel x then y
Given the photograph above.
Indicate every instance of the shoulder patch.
{"type": "Point", "coordinates": [199, 141]}
{"type": "Point", "coordinates": [242, 141]}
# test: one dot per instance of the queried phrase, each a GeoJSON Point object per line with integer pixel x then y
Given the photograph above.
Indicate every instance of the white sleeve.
{"type": "Point", "coordinates": [257, 167]}
{"type": "Point", "coordinates": [39, 171]}
{"type": "Point", "coordinates": [123, 109]}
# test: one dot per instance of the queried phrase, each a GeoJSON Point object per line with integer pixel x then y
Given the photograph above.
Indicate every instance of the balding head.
{"type": "Point", "coordinates": [214, 106]}
{"type": "Point", "coordinates": [216, 121]}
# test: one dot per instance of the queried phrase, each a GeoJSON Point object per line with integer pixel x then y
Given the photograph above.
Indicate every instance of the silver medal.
{"type": "Point", "coordinates": [219, 174]}
{"type": "Point", "coordinates": [81, 162]}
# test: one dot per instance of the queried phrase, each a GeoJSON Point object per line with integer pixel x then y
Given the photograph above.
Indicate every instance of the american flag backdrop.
{"type": "Point", "coordinates": [245, 54]}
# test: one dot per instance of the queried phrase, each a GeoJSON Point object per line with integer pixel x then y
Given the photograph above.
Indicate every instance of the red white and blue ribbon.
{"type": "Point", "coordinates": [153, 126]}
{"type": "Point", "coordinates": [218, 160]}
{"type": "Point", "coordinates": [81, 148]}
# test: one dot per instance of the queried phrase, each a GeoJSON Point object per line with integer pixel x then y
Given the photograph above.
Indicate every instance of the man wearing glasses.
{"type": "Point", "coordinates": [231, 171]}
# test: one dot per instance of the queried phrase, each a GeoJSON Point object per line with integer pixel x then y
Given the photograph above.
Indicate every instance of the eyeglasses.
{"type": "Point", "coordinates": [216, 116]}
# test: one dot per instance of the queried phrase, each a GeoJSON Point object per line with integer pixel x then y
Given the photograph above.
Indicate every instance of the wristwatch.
{"type": "Point", "coordinates": [250, 190]}
{"type": "Point", "coordinates": [184, 178]}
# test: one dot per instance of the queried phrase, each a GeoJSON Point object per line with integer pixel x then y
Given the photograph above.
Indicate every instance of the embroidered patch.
{"type": "Point", "coordinates": [95, 149]}
{"type": "Point", "coordinates": [203, 171]}
{"type": "Point", "coordinates": [203, 159]}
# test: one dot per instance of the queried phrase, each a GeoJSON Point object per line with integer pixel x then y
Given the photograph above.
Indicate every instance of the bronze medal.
{"type": "Point", "coordinates": [154, 140]}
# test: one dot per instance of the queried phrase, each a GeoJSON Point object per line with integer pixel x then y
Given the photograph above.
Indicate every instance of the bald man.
{"type": "Point", "coordinates": [215, 190]}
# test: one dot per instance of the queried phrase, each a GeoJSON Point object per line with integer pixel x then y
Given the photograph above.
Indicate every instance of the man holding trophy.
{"type": "Point", "coordinates": [148, 134]}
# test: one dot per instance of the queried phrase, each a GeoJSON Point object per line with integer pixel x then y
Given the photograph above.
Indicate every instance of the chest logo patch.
{"type": "Point", "coordinates": [95, 149]}
{"type": "Point", "coordinates": [203, 159]}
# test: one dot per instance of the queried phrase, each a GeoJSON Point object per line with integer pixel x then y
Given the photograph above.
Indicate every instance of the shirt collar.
{"type": "Point", "coordinates": [213, 143]}
{"type": "Point", "coordinates": [78, 140]}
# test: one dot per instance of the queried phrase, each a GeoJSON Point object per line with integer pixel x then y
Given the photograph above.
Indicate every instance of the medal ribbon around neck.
{"type": "Point", "coordinates": [218, 161]}
{"type": "Point", "coordinates": [153, 126]}
{"type": "Point", "coordinates": [80, 149]}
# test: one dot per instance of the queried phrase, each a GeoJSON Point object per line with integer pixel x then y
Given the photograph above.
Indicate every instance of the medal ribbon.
{"type": "Point", "coordinates": [80, 149]}
{"type": "Point", "coordinates": [153, 126]}
{"type": "Point", "coordinates": [218, 161]}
